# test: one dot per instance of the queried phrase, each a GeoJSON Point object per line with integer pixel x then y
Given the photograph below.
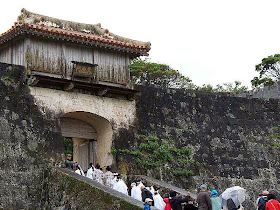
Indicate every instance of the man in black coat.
{"type": "Point", "coordinates": [176, 201]}
{"type": "Point", "coordinates": [190, 205]}
{"type": "Point", "coordinates": [146, 194]}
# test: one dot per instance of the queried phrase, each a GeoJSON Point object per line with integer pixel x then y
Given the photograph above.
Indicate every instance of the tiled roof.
{"type": "Point", "coordinates": [92, 35]}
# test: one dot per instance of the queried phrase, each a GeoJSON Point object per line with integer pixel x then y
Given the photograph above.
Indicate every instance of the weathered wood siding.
{"type": "Point", "coordinates": [44, 56]}
{"type": "Point", "coordinates": [13, 53]}
{"type": "Point", "coordinates": [73, 53]}
{"type": "Point", "coordinates": [56, 57]}
{"type": "Point", "coordinates": [112, 67]}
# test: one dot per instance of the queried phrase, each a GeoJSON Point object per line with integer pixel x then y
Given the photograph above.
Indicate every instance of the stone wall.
{"type": "Point", "coordinates": [29, 142]}
{"type": "Point", "coordinates": [106, 115]}
{"type": "Point", "coordinates": [228, 134]}
{"type": "Point", "coordinates": [271, 91]}
{"type": "Point", "coordinates": [30, 148]}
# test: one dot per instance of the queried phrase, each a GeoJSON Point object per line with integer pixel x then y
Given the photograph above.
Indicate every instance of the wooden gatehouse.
{"type": "Point", "coordinates": [75, 70]}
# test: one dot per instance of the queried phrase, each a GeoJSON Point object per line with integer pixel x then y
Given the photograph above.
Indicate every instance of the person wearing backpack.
{"type": "Point", "coordinates": [262, 200]}
{"type": "Point", "coordinates": [272, 203]}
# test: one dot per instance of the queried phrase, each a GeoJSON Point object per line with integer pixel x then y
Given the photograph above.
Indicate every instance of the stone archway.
{"type": "Point", "coordinates": [92, 137]}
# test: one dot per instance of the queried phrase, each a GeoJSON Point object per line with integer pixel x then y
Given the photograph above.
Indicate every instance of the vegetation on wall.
{"type": "Point", "coordinates": [7, 80]}
{"type": "Point", "coordinates": [274, 140]}
{"type": "Point", "coordinates": [153, 152]}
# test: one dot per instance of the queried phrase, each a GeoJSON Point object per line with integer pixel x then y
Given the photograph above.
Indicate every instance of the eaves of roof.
{"type": "Point", "coordinates": [72, 36]}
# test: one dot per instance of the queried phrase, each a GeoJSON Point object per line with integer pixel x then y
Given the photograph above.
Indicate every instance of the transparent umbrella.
{"type": "Point", "coordinates": [237, 194]}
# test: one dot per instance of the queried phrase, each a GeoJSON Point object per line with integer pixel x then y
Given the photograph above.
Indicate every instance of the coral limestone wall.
{"type": "Point", "coordinates": [29, 142]}
{"type": "Point", "coordinates": [228, 138]}
{"type": "Point", "coordinates": [182, 137]}
{"type": "Point", "coordinates": [30, 147]}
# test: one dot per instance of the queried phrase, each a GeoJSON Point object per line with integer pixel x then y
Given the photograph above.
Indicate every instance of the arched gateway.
{"type": "Point", "coordinates": [80, 73]}
{"type": "Point", "coordinates": [91, 135]}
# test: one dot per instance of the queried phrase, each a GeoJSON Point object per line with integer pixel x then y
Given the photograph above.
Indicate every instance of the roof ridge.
{"type": "Point", "coordinates": [94, 29]}
{"type": "Point", "coordinates": [73, 36]}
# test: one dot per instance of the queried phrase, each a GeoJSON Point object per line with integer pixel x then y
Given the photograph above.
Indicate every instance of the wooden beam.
{"type": "Point", "coordinates": [46, 74]}
{"type": "Point", "coordinates": [68, 86]}
{"type": "Point", "coordinates": [102, 91]}
{"type": "Point", "coordinates": [111, 84]}
{"type": "Point", "coordinates": [132, 96]}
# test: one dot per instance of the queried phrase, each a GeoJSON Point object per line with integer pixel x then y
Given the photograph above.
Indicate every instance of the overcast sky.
{"type": "Point", "coordinates": [211, 41]}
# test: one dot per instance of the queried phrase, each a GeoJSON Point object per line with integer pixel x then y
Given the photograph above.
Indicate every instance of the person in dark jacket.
{"type": "Point", "coordinates": [68, 161]}
{"type": "Point", "coordinates": [146, 193]}
{"type": "Point", "coordinates": [231, 205]}
{"type": "Point", "coordinates": [176, 201]}
{"type": "Point", "coordinates": [203, 199]}
{"type": "Point", "coordinates": [260, 204]}
{"type": "Point", "coordinates": [190, 205]}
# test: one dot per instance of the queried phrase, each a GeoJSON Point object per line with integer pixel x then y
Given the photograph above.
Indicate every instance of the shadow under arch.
{"type": "Point", "coordinates": [104, 135]}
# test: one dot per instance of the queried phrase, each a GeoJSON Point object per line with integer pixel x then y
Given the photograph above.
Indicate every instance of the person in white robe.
{"type": "Point", "coordinates": [139, 185]}
{"type": "Point", "coordinates": [116, 185]}
{"type": "Point", "coordinates": [136, 192]}
{"type": "Point", "coordinates": [81, 170]}
{"type": "Point", "coordinates": [108, 177]}
{"type": "Point", "coordinates": [121, 187]}
{"type": "Point", "coordinates": [90, 171]}
{"type": "Point", "coordinates": [114, 181]}
{"type": "Point", "coordinates": [158, 201]}
{"type": "Point", "coordinates": [152, 190]}
{"type": "Point", "coordinates": [77, 170]}
{"type": "Point", "coordinates": [98, 174]}
{"type": "Point", "coordinates": [133, 188]}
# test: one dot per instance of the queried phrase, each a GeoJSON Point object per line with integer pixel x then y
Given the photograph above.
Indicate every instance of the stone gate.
{"type": "Point", "coordinates": [79, 72]}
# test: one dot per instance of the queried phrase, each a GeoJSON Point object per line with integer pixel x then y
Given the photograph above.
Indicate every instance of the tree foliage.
{"type": "Point", "coordinates": [148, 73]}
{"type": "Point", "coordinates": [269, 71]}
{"type": "Point", "coordinates": [233, 87]}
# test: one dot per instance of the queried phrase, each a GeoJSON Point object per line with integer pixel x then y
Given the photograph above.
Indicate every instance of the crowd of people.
{"type": "Point", "coordinates": [151, 197]}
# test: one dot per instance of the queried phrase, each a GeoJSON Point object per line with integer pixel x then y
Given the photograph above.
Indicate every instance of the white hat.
{"type": "Point", "coordinates": [148, 200]}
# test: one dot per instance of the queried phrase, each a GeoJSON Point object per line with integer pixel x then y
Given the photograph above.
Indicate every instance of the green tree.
{"type": "Point", "coordinates": [233, 87]}
{"type": "Point", "coordinates": [206, 88]}
{"type": "Point", "coordinates": [148, 73]}
{"type": "Point", "coordinates": [269, 71]}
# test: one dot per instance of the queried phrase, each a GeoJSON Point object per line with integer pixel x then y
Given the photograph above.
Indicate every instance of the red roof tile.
{"type": "Point", "coordinates": [107, 40]}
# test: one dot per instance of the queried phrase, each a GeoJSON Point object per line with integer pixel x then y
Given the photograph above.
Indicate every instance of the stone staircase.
{"type": "Point", "coordinates": [109, 191]}
{"type": "Point", "coordinates": [164, 187]}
